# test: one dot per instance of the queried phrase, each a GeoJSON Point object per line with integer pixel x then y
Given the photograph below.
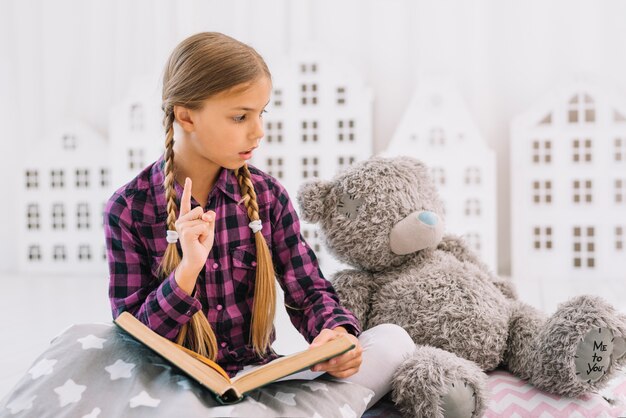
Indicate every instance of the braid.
{"type": "Point", "coordinates": [264, 305]}
{"type": "Point", "coordinates": [197, 334]}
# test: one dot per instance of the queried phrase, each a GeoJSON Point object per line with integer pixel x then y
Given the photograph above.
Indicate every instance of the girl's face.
{"type": "Point", "coordinates": [230, 124]}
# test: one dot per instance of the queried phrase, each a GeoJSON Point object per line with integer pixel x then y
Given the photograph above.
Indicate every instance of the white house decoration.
{"type": "Point", "coordinates": [319, 121]}
{"type": "Point", "coordinates": [137, 136]}
{"type": "Point", "coordinates": [568, 186]}
{"type": "Point", "coordinates": [64, 185]}
{"type": "Point", "coordinates": [437, 129]}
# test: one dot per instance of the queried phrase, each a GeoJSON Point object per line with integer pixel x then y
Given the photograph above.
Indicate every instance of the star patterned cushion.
{"type": "Point", "coordinates": [96, 371]}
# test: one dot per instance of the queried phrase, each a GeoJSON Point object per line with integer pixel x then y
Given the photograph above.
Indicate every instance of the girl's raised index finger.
{"type": "Point", "coordinates": [185, 200]}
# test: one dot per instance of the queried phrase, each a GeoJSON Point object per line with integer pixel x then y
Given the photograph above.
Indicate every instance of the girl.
{"type": "Point", "coordinates": [196, 240]}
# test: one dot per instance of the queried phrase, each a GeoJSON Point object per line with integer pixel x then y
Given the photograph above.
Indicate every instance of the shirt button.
{"type": "Point", "coordinates": [254, 264]}
{"type": "Point", "coordinates": [215, 265]}
{"type": "Point", "coordinates": [223, 345]}
{"type": "Point", "coordinates": [219, 307]}
{"type": "Point", "coordinates": [304, 244]}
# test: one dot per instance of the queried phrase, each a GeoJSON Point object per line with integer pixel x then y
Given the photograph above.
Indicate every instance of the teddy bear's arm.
{"type": "Point", "coordinates": [355, 289]}
{"type": "Point", "coordinates": [457, 246]}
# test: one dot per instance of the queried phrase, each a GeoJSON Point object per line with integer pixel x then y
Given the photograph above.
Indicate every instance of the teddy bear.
{"type": "Point", "coordinates": [384, 218]}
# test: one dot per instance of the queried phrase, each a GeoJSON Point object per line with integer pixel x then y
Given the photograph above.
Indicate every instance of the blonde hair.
{"type": "Point", "coordinates": [201, 66]}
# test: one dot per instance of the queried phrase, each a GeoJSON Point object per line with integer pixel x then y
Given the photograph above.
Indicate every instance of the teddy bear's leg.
{"type": "Point", "coordinates": [436, 383]}
{"type": "Point", "coordinates": [572, 352]}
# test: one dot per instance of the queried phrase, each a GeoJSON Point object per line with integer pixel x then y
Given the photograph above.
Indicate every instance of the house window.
{"type": "Point", "coordinates": [32, 215]}
{"type": "Point", "coordinates": [341, 95]}
{"type": "Point", "coordinates": [34, 253]}
{"type": "Point", "coordinates": [542, 191]}
{"type": "Point", "coordinates": [472, 175]}
{"type": "Point", "coordinates": [84, 252]}
{"type": "Point", "coordinates": [439, 176]}
{"type": "Point", "coordinates": [278, 98]}
{"type": "Point", "coordinates": [542, 237]}
{"type": "Point", "coordinates": [542, 151]}
{"type": "Point", "coordinates": [136, 117]}
{"type": "Point", "coordinates": [345, 130]}
{"type": "Point", "coordinates": [620, 190]}
{"type": "Point", "coordinates": [58, 216]}
{"type": "Point", "coordinates": [473, 241]}
{"type": "Point", "coordinates": [310, 167]}
{"type": "Point", "coordinates": [58, 253]}
{"type": "Point", "coordinates": [32, 179]}
{"type": "Point", "coordinates": [309, 131]}
{"type": "Point", "coordinates": [274, 132]}
{"type": "Point", "coordinates": [581, 150]}
{"type": "Point", "coordinates": [472, 207]}
{"type": "Point", "coordinates": [619, 238]}
{"type": "Point", "coordinates": [312, 238]}
{"type": "Point", "coordinates": [584, 247]}
{"type": "Point", "coordinates": [82, 178]}
{"type": "Point", "coordinates": [57, 179]}
{"type": "Point", "coordinates": [620, 150]}
{"type": "Point", "coordinates": [343, 162]}
{"type": "Point", "coordinates": [308, 93]}
{"type": "Point", "coordinates": [82, 216]}
{"type": "Point", "coordinates": [69, 142]}
{"type": "Point", "coordinates": [581, 109]}
{"type": "Point", "coordinates": [275, 167]}
{"type": "Point", "coordinates": [104, 177]}
{"type": "Point", "coordinates": [308, 68]}
{"type": "Point", "coordinates": [135, 159]}
{"type": "Point", "coordinates": [437, 136]}
{"type": "Point", "coordinates": [582, 191]}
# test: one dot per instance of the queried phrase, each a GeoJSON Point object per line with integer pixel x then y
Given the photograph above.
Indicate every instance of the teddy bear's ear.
{"type": "Point", "coordinates": [311, 199]}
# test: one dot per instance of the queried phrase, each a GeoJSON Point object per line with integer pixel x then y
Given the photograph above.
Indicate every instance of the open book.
{"type": "Point", "coordinates": [210, 375]}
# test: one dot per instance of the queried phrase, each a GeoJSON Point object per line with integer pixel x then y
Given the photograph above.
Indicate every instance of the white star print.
{"type": "Point", "coordinates": [221, 411]}
{"type": "Point", "coordinates": [93, 414]}
{"type": "Point", "coordinates": [315, 386]}
{"type": "Point", "coordinates": [256, 403]}
{"type": "Point", "coordinates": [143, 399]}
{"type": "Point", "coordinates": [91, 341]}
{"type": "Point", "coordinates": [347, 412]}
{"type": "Point", "coordinates": [42, 368]}
{"type": "Point", "coordinates": [286, 398]}
{"type": "Point", "coordinates": [70, 392]}
{"type": "Point", "coordinates": [120, 369]}
{"type": "Point", "coordinates": [184, 384]}
{"type": "Point", "coordinates": [19, 405]}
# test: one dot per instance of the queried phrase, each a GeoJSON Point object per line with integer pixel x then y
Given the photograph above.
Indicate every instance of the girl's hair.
{"type": "Point", "coordinates": [202, 66]}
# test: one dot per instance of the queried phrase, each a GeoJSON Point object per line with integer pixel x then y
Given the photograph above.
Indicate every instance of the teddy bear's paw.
{"type": "Point", "coordinates": [594, 354]}
{"type": "Point", "coordinates": [459, 400]}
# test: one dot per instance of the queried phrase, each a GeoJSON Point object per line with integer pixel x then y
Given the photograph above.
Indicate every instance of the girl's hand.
{"type": "Point", "coordinates": [196, 230]}
{"type": "Point", "coordinates": [344, 365]}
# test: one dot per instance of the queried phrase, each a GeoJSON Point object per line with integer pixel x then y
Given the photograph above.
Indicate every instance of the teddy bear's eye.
{"type": "Point", "coordinates": [349, 206]}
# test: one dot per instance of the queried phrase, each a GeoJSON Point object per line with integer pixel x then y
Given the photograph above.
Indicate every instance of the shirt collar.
{"type": "Point", "coordinates": [226, 183]}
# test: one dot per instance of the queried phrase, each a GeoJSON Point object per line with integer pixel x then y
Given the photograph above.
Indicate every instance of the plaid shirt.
{"type": "Point", "coordinates": [135, 229]}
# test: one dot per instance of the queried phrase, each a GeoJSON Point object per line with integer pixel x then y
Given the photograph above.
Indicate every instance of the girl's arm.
{"type": "Point", "coordinates": [162, 305]}
{"type": "Point", "coordinates": [312, 302]}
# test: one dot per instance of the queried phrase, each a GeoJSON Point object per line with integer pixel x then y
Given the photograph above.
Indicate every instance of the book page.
{"type": "Point", "coordinates": [287, 365]}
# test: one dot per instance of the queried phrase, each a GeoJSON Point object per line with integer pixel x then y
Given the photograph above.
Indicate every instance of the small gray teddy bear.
{"type": "Point", "coordinates": [384, 218]}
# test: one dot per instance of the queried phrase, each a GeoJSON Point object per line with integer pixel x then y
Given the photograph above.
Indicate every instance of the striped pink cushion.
{"type": "Point", "coordinates": [513, 397]}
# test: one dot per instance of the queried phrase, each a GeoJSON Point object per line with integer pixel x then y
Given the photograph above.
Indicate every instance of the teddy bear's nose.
{"type": "Point", "coordinates": [429, 218]}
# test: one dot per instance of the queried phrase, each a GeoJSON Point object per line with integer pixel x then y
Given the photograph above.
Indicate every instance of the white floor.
{"type": "Point", "coordinates": [35, 309]}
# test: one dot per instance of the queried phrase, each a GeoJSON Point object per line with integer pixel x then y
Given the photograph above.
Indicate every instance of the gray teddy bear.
{"type": "Point", "coordinates": [384, 218]}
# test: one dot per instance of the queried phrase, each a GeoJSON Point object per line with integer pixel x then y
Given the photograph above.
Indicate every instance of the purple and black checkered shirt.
{"type": "Point", "coordinates": [135, 229]}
